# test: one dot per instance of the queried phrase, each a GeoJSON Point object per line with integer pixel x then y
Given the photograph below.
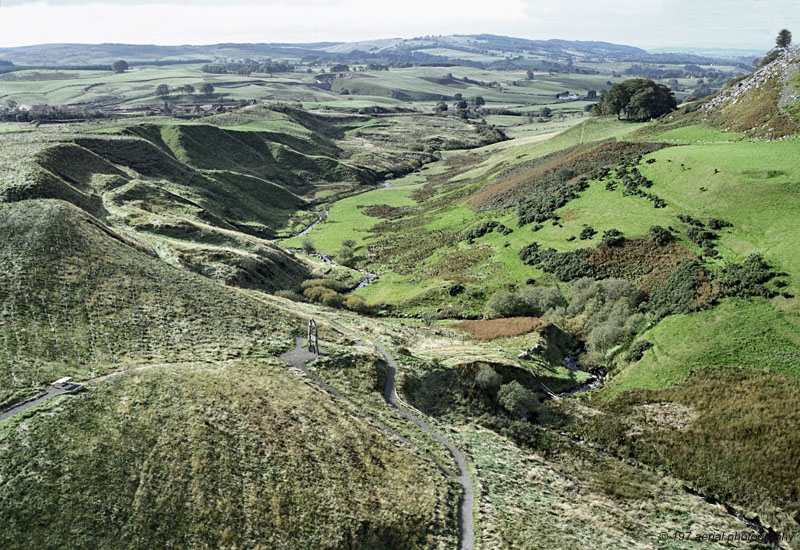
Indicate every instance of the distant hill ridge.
{"type": "Point", "coordinates": [370, 50]}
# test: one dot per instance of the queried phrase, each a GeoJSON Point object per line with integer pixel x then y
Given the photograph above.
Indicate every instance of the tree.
{"type": "Point", "coordinates": [529, 75]}
{"type": "Point", "coordinates": [462, 104]}
{"type": "Point", "coordinates": [487, 378]}
{"type": "Point", "coordinates": [546, 112]}
{"type": "Point", "coordinates": [119, 66]}
{"type": "Point", "coordinates": [207, 88]}
{"type": "Point", "coordinates": [592, 94]}
{"type": "Point", "coordinates": [162, 90]}
{"type": "Point", "coordinates": [517, 399]}
{"type": "Point", "coordinates": [340, 68]}
{"type": "Point", "coordinates": [480, 101]}
{"type": "Point", "coordinates": [639, 99]}
{"type": "Point", "coordinates": [784, 39]}
{"type": "Point", "coordinates": [346, 256]}
{"type": "Point", "coordinates": [188, 88]}
{"type": "Point", "coordinates": [308, 246]}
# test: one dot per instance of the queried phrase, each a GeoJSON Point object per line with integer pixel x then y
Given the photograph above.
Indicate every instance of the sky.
{"type": "Point", "coordinates": [741, 24]}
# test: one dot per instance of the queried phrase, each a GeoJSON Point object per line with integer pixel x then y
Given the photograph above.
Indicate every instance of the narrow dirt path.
{"type": "Point", "coordinates": [466, 528]}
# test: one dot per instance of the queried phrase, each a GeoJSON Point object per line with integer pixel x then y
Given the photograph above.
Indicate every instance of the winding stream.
{"type": "Point", "coordinates": [367, 276]}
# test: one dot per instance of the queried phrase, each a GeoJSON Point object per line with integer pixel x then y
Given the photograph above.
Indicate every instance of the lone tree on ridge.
{"type": "Point", "coordinates": [784, 39]}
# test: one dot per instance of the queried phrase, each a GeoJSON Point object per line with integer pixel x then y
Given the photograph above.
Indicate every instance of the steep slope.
{"type": "Point", "coordinates": [207, 454]}
{"type": "Point", "coordinates": [80, 299]}
{"type": "Point", "coordinates": [764, 104]}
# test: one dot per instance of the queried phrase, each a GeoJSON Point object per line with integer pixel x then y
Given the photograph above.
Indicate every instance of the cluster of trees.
{"type": "Point", "coordinates": [532, 302]}
{"type": "Point", "coordinates": [515, 398]}
{"type": "Point", "coordinates": [163, 90]}
{"type": "Point", "coordinates": [605, 313]}
{"type": "Point", "coordinates": [639, 99]}
{"type": "Point", "coordinates": [247, 68]}
{"type": "Point", "coordinates": [50, 113]}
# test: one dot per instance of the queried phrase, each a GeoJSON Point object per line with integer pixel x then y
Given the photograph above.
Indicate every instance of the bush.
{"type": "Point", "coordinates": [637, 350]}
{"type": "Point", "coordinates": [487, 379]}
{"type": "Point", "coordinates": [517, 399]}
{"type": "Point", "coordinates": [747, 278]}
{"type": "Point", "coordinates": [506, 304]}
{"type": "Point", "coordinates": [532, 302]}
{"type": "Point", "coordinates": [346, 256]}
{"type": "Point", "coordinates": [612, 237]}
{"type": "Point", "coordinates": [605, 313]}
{"type": "Point", "coordinates": [331, 298]}
{"type": "Point", "coordinates": [716, 224]}
{"type": "Point", "coordinates": [660, 236]}
{"type": "Point", "coordinates": [679, 295]}
{"type": "Point", "coordinates": [333, 284]}
{"type": "Point", "coordinates": [308, 246]}
{"type": "Point", "coordinates": [587, 233]}
{"type": "Point", "coordinates": [356, 303]}
{"type": "Point", "coordinates": [701, 237]}
{"type": "Point", "coordinates": [566, 266]}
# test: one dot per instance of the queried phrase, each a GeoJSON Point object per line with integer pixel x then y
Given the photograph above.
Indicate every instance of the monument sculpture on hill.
{"type": "Point", "coordinates": [313, 343]}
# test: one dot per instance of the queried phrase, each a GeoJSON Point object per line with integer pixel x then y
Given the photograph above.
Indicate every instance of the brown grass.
{"type": "Point", "coordinates": [502, 328]}
{"type": "Point", "coordinates": [512, 185]}
{"type": "Point", "coordinates": [638, 259]}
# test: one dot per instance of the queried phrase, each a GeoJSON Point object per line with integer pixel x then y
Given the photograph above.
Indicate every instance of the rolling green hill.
{"type": "Point", "coordinates": [596, 331]}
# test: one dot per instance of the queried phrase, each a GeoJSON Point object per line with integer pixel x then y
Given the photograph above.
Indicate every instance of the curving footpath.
{"type": "Point", "coordinates": [466, 531]}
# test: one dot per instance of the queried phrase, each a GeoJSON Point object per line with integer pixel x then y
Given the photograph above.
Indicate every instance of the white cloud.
{"type": "Point", "coordinates": [728, 23]}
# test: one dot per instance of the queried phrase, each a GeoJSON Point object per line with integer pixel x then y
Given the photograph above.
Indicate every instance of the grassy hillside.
{"type": "Point", "coordinates": [650, 264]}
{"type": "Point", "coordinates": [214, 454]}
{"type": "Point", "coordinates": [82, 300]}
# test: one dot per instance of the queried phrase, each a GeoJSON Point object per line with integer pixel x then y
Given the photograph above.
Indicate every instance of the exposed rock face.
{"type": "Point", "coordinates": [759, 104]}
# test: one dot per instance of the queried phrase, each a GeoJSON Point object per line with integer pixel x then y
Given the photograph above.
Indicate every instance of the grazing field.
{"type": "Point", "coordinates": [592, 322]}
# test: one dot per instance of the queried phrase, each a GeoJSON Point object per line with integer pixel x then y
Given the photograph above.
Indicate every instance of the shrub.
{"type": "Point", "coordinates": [315, 293]}
{"type": "Point", "coordinates": [679, 295]}
{"type": "Point", "coordinates": [481, 230]}
{"type": "Point", "coordinates": [333, 284]}
{"type": "Point", "coordinates": [517, 399]}
{"type": "Point", "coordinates": [604, 312]}
{"type": "Point", "coordinates": [587, 233]}
{"type": "Point", "coordinates": [543, 299]}
{"type": "Point", "coordinates": [356, 303]}
{"type": "Point", "coordinates": [637, 350]}
{"type": "Point", "coordinates": [701, 237]}
{"type": "Point", "coordinates": [487, 378]}
{"type": "Point", "coordinates": [612, 237]}
{"type": "Point", "coordinates": [566, 266]}
{"type": "Point", "coordinates": [346, 256]}
{"type": "Point", "coordinates": [528, 302]}
{"type": "Point", "coordinates": [687, 219]}
{"type": "Point", "coordinates": [506, 304]}
{"type": "Point", "coordinates": [308, 246]}
{"type": "Point", "coordinates": [747, 278]}
{"type": "Point", "coordinates": [716, 224]}
{"type": "Point", "coordinates": [660, 236]}
{"type": "Point", "coordinates": [331, 298]}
